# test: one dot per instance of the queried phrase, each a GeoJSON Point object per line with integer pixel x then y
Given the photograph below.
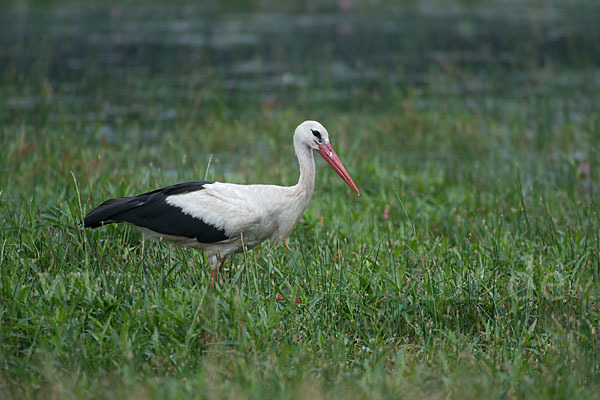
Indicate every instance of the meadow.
{"type": "Point", "coordinates": [469, 267]}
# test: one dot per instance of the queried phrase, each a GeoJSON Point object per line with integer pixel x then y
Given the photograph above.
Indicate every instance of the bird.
{"type": "Point", "coordinates": [222, 219]}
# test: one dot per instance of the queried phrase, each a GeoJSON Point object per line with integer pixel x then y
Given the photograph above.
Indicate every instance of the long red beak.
{"type": "Point", "coordinates": [327, 152]}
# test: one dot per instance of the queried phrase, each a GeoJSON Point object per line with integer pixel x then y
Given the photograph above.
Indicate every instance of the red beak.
{"type": "Point", "coordinates": [327, 152]}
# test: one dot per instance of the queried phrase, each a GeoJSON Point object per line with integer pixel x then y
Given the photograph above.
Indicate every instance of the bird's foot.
{"type": "Point", "coordinates": [280, 298]}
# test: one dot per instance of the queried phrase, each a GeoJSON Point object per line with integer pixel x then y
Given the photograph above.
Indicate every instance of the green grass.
{"type": "Point", "coordinates": [469, 267]}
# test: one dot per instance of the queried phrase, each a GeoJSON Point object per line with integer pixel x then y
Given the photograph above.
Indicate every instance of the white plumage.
{"type": "Point", "coordinates": [224, 218]}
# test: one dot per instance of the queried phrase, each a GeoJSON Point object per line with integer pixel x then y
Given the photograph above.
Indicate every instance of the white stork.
{"type": "Point", "coordinates": [224, 218]}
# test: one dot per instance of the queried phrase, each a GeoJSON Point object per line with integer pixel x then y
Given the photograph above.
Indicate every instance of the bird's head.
{"type": "Point", "coordinates": [312, 134]}
{"type": "Point", "coordinates": [315, 136]}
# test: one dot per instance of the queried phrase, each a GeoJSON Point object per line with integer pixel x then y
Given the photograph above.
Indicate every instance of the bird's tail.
{"type": "Point", "coordinates": [106, 212]}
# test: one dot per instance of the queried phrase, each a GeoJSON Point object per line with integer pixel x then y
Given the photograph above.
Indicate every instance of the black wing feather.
{"type": "Point", "coordinates": [150, 210]}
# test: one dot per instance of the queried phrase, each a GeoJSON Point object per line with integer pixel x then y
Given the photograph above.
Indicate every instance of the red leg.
{"type": "Point", "coordinates": [213, 276]}
{"type": "Point", "coordinates": [215, 267]}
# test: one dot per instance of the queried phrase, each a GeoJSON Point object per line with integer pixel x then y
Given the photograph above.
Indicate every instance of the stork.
{"type": "Point", "coordinates": [225, 218]}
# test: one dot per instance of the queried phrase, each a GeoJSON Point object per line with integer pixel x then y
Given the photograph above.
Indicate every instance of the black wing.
{"type": "Point", "coordinates": [150, 210]}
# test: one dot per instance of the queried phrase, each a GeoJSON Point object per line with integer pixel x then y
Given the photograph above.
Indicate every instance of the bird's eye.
{"type": "Point", "coordinates": [316, 134]}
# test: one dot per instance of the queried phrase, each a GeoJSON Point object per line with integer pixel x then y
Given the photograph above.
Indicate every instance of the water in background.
{"type": "Point", "coordinates": [63, 61]}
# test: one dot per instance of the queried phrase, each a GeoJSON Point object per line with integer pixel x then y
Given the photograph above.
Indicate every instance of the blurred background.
{"type": "Point", "coordinates": [108, 61]}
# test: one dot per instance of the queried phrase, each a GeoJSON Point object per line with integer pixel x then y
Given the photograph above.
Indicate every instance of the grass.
{"type": "Point", "coordinates": [468, 268]}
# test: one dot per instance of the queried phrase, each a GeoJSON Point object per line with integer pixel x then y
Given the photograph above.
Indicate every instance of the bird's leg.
{"type": "Point", "coordinates": [216, 264]}
{"type": "Point", "coordinates": [213, 259]}
{"type": "Point", "coordinates": [221, 263]}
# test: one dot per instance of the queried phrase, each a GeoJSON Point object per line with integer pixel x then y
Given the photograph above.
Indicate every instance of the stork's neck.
{"type": "Point", "coordinates": [306, 184]}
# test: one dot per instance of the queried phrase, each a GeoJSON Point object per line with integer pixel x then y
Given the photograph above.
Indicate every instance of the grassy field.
{"type": "Point", "coordinates": [468, 268]}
